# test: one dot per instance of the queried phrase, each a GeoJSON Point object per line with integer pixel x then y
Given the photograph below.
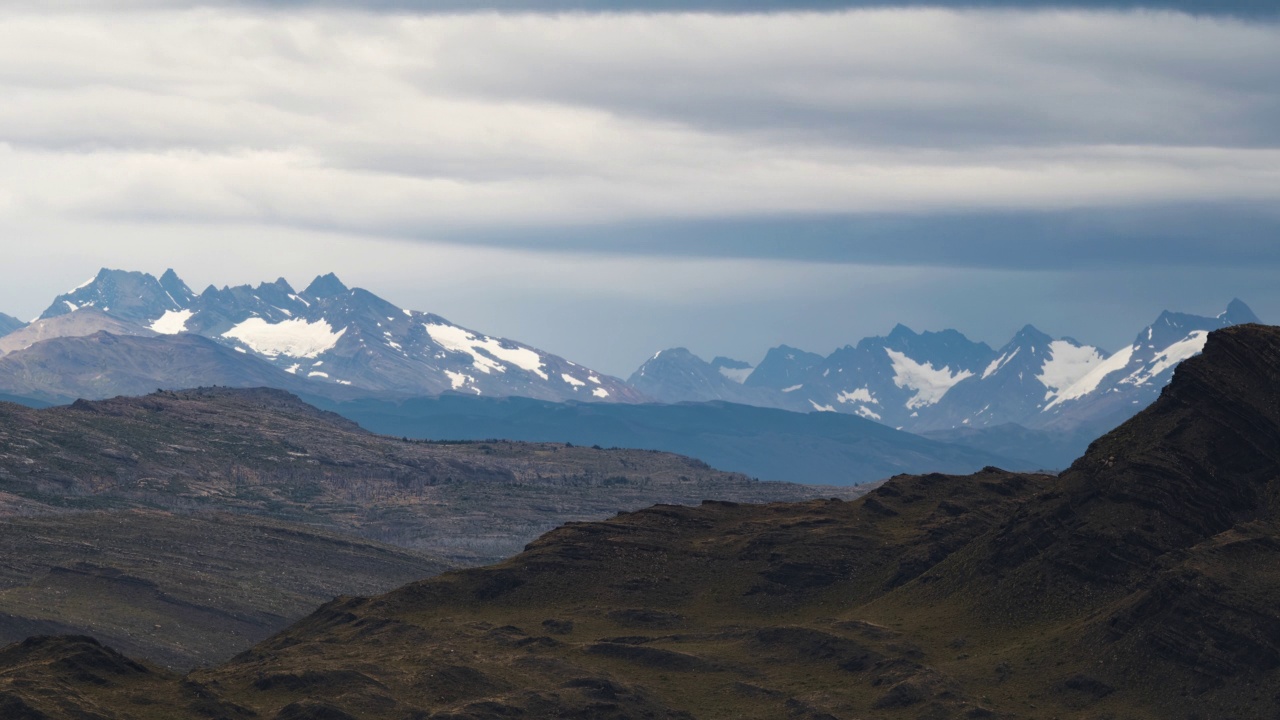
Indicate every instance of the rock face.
{"type": "Point", "coordinates": [335, 336]}
{"type": "Point", "coordinates": [1140, 583]}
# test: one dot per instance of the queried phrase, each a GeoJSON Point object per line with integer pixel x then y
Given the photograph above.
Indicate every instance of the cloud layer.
{"type": "Point", "coordinates": [413, 125]}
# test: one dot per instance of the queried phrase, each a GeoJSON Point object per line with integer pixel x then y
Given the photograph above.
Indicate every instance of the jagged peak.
{"type": "Point", "coordinates": [1238, 313]}
{"type": "Point", "coordinates": [327, 285]}
{"type": "Point", "coordinates": [900, 331]}
{"type": "Point", "coordinates": [1030, 335]}
{"type": "Point", "coordinates": [785, 350]}
{"type": "Point", "coordinates": [681, 353]}
{"type": "Point", "coordinates": [280, 284]}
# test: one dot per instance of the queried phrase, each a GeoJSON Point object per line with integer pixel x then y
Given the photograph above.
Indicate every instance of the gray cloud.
{"type": "Point", "coordinates": [1244, 8]}
{"type": "Point", "coordinates": [1225, 237]}
{"type": "Point", "coordinates": [432, 126]}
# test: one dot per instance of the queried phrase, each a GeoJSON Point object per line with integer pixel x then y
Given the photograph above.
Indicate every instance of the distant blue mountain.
{"type": "Point", "coordinates": [767, 443]}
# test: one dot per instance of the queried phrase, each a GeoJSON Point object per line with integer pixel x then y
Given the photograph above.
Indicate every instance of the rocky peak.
{"type": "Point", "coordinates": [1238, 313]}
{"type": "Point", "coordinates": [326, 286]}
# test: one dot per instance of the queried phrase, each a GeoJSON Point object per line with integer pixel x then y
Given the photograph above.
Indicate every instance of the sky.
{"type": "Point", "coordinates": [606, 179]}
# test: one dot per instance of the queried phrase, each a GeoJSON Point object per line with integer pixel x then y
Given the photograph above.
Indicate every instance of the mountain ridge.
{"type": "Point", "coordinates": [940, 383]}
{"type": "Point", "coordinates": [334, 335]}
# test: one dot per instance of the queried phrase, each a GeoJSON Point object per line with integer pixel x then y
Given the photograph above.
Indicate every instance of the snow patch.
{"type": "Point", "coordinates": [821, 408]}
{"type": "Point", "coordinates": [293, 368]}
{"type": "Point", "coordinates": [738, 375]}
{"type": "Point", "coordinates": [172, 322]}
{"type": "Point", "coordinates": [1094, 378]}
{"type": "Point", "coordinates": [572, 380]}
{"type": "Point", "coordinates": [793, 388]}
{"type": "Point", "coordinates": [456, 379]}
{"type": "Point", "coordinates": [317, 373]}
{"type": "Point", "coordinates": [1189, 346]}
{"type": "Point", "coordinates": [600, 393]}
{"type": "Point", "coordinates": [592, 378]}
{"type": "Point", "coordinates": [868, 413]}
{"type": "Point", "coordinates": [71, 306]}
{"type": "Point", "coordinates": [82, 285]}
{"type": "Point", "coordinates": [487, 354]}
{"type": "Point", "coordinates": [293, 338]}
{"type": "Point", "coordinates": [1066, 365]}
{"type": "Point", "coordinates": [862, 394]}
{"type": "Point", "coordinates": [998, 363]}
{"type": "Point", "coordinates": [929, 383]}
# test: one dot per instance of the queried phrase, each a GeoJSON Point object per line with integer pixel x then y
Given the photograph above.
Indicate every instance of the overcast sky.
{"type": "Point", "coordinates": [605, 184]}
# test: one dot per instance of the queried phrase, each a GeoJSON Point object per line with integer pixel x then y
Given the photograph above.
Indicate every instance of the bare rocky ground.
{"type": "Point", "coordinates": [182, 527]}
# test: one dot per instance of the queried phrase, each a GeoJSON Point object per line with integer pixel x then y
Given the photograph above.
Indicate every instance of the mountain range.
{"type": "Point", "coordinates": [1035, 402]}
{"type": "Point", "coordinates": [1139, 583]}
{"type": "Point", "coordinates": [944, 385]}
{"type": "Point", "coordinates": [333, 336]}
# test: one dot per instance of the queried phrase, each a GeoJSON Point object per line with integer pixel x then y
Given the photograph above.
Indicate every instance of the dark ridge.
{"type": "Point", "coordinates": [1202, 458]}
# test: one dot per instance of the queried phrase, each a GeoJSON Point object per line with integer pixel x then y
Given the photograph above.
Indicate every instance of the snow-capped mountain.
{"type": "Point", "coordinates": [939, 381]}
{"type": "Point", "coordinates": [332, 334]}
{"type": "Point", "coordinates": [132, 296]}
{"type": "Point", "coordinates": [1027, 374]}
{"type": "Point", "coordinates": [1132, 377]}
{"type": "Point", "coordinates": [893, 378]}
